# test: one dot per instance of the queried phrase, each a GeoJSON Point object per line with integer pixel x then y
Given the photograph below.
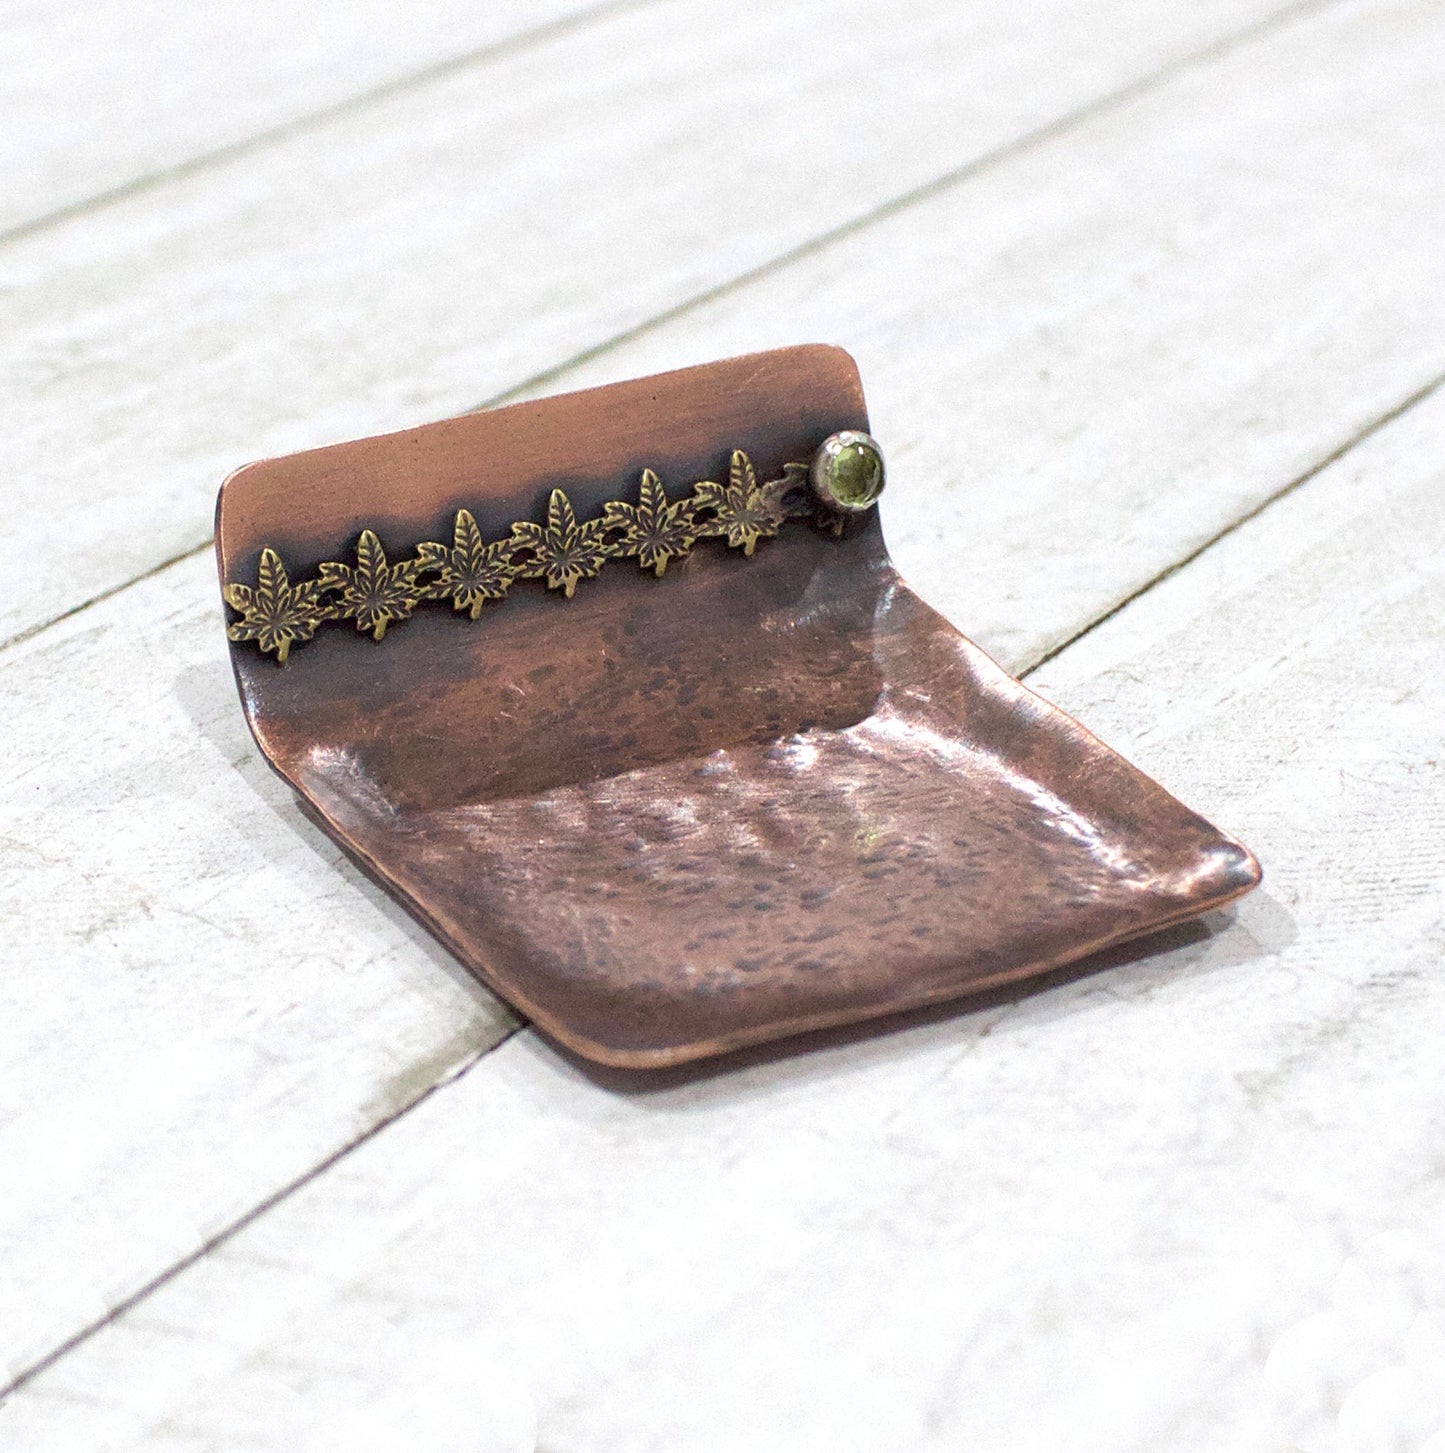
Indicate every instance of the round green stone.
{"type": "Point", "coordinates": [855, 476]}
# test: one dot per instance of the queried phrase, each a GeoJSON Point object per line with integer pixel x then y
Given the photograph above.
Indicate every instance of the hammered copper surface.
{"type": "Point", "coordinates": [674, 816]}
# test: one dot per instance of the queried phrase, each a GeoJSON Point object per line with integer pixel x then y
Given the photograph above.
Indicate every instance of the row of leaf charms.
{"type": "Point", "coordinates": [374, 593]}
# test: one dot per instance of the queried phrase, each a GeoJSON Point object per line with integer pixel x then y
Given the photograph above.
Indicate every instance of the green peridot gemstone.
{"type": "Point", "coordinates": [855, 476]}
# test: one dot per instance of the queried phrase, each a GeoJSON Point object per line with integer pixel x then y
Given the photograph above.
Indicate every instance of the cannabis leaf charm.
{"type": "Point", "coordinates": [743, 511]}
{"type": "Point", "coordinates": [275, 613]}
{"type": "Point", "coordinates": [655, 529]}
{"type": "Point", "coordinates": [472, 572]}
{"type": "Point", "coordinates": [564, 551]}
{"type": "Point", "coordinates": [372, 592]}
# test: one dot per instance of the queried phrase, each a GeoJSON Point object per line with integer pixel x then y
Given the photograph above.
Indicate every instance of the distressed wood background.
{"type": "Point", "coordinates": [1149, 300]}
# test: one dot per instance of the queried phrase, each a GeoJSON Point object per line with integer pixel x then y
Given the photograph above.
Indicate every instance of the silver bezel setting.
{"type": "Point", "coordinates": [819, 475]}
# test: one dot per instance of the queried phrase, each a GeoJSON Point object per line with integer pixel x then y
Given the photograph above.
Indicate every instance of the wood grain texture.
{"type": "Point", "coordinates": [98, 95]}
{"type": "Point", "coordinates": [202, 1002]}
{"type": "Point", "coordinates": [138, 684]}
{"type": "Point", "coordinates": [415, 257]}
{"type": "Point", "coordinates": [1079, 1218]}
{"type": "Point", "coordinates": [1083, 365]}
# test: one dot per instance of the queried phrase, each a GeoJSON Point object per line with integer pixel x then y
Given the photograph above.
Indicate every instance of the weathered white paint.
{"type": "Point", "coordinates": [201, 1004]}
{"type": "Point", "coordinates": [412, 258]}
{"type": "Point", "coordinates": [97, 95]}
{"type": "Point", "coordinates": [1088, 362]}
{"type": "Point", "coordinates": [1079, 1217]}
{"type": "Point", "coordinates": [237, 1002]}
{"type": "Point", "coordinates": [202, 1000]}
{"type": "Point", "coordinates": [120, 1001]}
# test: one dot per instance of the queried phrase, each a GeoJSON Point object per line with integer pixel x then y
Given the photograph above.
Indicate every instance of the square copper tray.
{"type": "Point", "coordinates": [670, 817]}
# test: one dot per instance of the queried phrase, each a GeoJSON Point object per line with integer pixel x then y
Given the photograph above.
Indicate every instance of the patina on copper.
{"type": "Point", "coordinates": [670, 817]}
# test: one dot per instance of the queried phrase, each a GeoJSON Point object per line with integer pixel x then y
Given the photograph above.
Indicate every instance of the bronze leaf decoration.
{"type": "Point", "coordinates": [563, 551]}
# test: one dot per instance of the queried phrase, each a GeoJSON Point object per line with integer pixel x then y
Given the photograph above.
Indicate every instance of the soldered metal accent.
{"type": "Point", "coordinates": [471, 572]}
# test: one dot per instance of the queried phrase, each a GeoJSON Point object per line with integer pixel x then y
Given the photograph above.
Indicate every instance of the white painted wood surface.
{"type": "Point", "coordinates": [97, 96]}
{"type": "Point", "coordinates": [416, 257]}
{"type": "Point", "coordinates": [1095, 357]}
{"type": "Point", "coordinates": [145, 853]}
{"type": "Point", "coordinates": [1079, 1217]}
{"type": "Point", "coordinates": [111, 905]}
{"type": "Point", "coordinates": [1085, 1216]}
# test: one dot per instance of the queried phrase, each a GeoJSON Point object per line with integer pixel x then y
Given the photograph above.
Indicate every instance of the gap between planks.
{"type": "Point", "coordinates": [915, 196]}
{"type": "Point", "coordinates": [1370, 429]}
{"type": "Point", "coordinates": [133, 1299]}
{"type": "Point", "coordinates": [416, 79]}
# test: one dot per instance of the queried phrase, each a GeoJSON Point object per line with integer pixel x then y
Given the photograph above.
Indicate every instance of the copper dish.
{"type": "Point", "coordinates": [669, 817]}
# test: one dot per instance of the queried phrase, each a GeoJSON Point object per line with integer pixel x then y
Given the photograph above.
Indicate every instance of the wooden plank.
{"type": "Point", "coordinates": [275, 1109]}
{"type": "Point", "coordinates": [1085, 364]}
{"type": "Point", "coordinates": [413, 257]}
{"type": "Point", "coordinates": [99, 95]}
{"type": "Point", "coordinates": [202, 1000]}
{"type": "Point", "coordinates": [1078, 1217]}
